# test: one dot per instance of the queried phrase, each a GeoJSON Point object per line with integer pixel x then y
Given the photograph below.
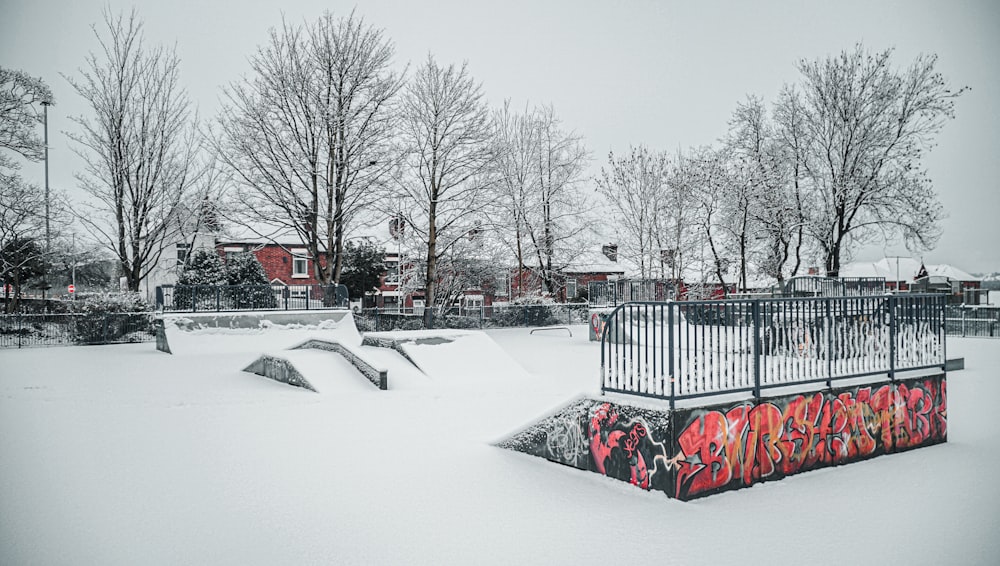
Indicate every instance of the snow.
{"type": "Point", "coordinates": [125, 455]}
{"type": "Point", "coordinates": [902, 269]}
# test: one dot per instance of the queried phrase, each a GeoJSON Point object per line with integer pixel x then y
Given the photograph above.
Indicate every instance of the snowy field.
{"type": "Point", "coordinates": [124, 455]}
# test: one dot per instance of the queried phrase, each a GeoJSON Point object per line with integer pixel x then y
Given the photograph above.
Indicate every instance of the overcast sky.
{"type": "Point", "coordinates": [664, 74]}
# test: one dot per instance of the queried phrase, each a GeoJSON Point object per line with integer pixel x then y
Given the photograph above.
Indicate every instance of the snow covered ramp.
{"type": "Point", "coordinates": [453, 356]}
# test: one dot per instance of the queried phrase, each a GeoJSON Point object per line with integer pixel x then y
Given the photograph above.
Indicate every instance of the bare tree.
{"type": "Point", "coordinates": [309, 134]}
{"type": "Point", "coordinates": [541, 169]}
{"type": "Point", "coordinates": [140, 146]}
{"type": "Point", "coordinates": [518, 144]}
{"type": "Point", "coordinates": [448, 171]}
{"type": "Point", "coordinates": [790, 137]}
{"type": "Point", "coordinates": [21, 98]}
{"type": "Point", "coordinates": [867, 127]}
{"type": "Point", "coordinates": [634, 186]}
{"type": "Point", "coordinates": [704, 172]}
{"type": "Point", "coordinates": [22, 220]}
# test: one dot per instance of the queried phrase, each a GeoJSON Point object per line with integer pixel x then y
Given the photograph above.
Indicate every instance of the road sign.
{"type": "Point", "coordinates": [72, 288]}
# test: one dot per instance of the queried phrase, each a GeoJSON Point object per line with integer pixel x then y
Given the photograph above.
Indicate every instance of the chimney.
{"type": "Point", "coordinates": [611, 251]}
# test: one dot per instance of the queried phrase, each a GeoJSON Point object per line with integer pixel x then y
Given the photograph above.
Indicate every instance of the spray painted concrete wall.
{"type": "Point", "coordinates": [694, 452]}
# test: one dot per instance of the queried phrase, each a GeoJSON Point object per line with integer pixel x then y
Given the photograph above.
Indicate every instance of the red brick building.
{"type": "Point", "coordinates": [286, 263]}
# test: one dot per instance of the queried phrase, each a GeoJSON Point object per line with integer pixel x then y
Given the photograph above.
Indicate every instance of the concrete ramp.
{"type": "Point", "coordinates": [694, 452]}
{"type": "Point", "coordinates": [316, 370]}
{"type": "Point", "coordinates": [251, 332]}
{"type": "Point", "coordinates": [451, 355]}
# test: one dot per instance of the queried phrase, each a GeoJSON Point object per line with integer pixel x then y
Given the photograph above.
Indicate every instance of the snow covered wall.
{"type": "Point", "coordinates": [695, 452]}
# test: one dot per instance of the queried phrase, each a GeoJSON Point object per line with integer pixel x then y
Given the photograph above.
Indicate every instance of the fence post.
{"type": "Point", "coordinates": [755, 309]}
{"type": "Point", "coordinates": [963, 323]}
{"type": "Point", "coordinates": [892, 337]}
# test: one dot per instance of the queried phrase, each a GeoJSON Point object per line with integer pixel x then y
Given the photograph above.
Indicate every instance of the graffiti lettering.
{"type": "Point", "coordinates": [751, 442]}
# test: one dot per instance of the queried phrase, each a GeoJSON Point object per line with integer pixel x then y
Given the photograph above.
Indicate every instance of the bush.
{"type": "Point", "coordinates": [249, 287]}
{"type": "Point", "coordinates": [107, 317]}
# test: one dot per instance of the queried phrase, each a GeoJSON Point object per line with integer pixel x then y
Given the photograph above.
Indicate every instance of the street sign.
{"type": "Point", "coordinates": [72, 288]}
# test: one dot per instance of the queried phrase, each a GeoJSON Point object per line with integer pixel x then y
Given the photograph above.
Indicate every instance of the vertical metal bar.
{"type": "Point", "coordinates": [670, 352]}
{"type": "Point", "coordinates": [755, 308]}
{"type": "Point", "coordinates": [829, 343]}
{"type": "Point", "coordinates": [892, 337]}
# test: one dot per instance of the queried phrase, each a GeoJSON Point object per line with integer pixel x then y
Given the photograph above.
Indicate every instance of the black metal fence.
{"type": "Point", "coordinates": [29, 330]}
{"type": "Point", "coordinates": [683, 350]}
{"type": "Point", "coordinates": [972, 321]}
{"type": "Point", "coordinates": [195, 298]}
{"type": "Point", "coordinates": [817, 286]}
{"type": "Point", "coordinates": [506, 316]}
{"type": "Point", "coordinates": [619, 291]}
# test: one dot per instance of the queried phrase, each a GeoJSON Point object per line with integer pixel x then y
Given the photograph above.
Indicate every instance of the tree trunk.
{"type": "Point", "coordinates": [431, 272]}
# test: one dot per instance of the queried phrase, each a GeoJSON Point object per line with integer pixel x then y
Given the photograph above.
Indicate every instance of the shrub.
{"type": "Point", "coordinates": [249, 287]}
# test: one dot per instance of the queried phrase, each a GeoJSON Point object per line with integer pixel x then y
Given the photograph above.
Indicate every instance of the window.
{"type": "Point", "coordinates": [300, 264]}
{"type": "Point", "coordinates": [183, 250]}
{"type": "Point", "coordinates": [392, 273]}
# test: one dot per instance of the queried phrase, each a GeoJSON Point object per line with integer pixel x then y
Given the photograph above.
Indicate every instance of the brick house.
{"type": "Point", "coordinates": [575, 277]}
{"type": "Point", "coordinates": [285, 263]}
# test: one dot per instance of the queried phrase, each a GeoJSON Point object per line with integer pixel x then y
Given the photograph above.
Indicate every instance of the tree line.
{"type": "Point", "coordinates": [327, 135]}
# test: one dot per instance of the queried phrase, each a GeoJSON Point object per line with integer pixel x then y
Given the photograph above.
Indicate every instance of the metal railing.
{"type": "Point", "coordinates": [683, 350]}
{"type": "Point", "coordinates": [619, 291]}
{"type": "Point", "coordinates": [29, 330]}
{"type": "Point", "coordinates": [506, 316]}
{"type": "Point", "coordinates": [196, 298]}
{"type": "Point", "coordinates": [972, 321]}
{"type": "Point", "coordinates": [817, 286]}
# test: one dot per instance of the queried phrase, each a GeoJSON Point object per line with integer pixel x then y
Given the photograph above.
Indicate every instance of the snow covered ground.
{"type": "Point", "coordinates": [124, 455]}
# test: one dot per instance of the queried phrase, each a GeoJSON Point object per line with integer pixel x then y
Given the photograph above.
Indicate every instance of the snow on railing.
{"type": "Point", "coordinates": [681, 350]}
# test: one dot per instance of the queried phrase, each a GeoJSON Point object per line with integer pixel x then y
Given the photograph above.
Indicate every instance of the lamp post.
{"type": "Point", "coordinates": [48, 235]}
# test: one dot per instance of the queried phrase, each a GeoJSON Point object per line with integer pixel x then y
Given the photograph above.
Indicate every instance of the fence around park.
{"type": "Point", "coordinates": [619, 291]}
{"type": "Point", "coordinates": [496, 316]}
{"type": "Point", "coordinates": [972, 321]}
{"type": "Point", "coordinates": [684, 350]}
{"type": "Point", "coordinates": [200, 298]}
{"type": "Point", "coordinates": [29, 330]}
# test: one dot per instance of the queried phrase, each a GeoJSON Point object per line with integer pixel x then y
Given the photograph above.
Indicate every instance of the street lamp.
{"type": "Point", "coordinates": [48, 234]}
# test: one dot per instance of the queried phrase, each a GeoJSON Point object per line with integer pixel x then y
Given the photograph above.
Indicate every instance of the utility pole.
{"type": "Point", "coordinates": [48, 234]}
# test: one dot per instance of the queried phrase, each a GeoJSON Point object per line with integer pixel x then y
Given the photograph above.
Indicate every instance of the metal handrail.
{"type": "Point", "coordinates": [685, 349]}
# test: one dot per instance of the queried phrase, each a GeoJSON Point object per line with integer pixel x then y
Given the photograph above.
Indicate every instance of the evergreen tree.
{"type": "Point", "coordinates": [203, 268]}
{"type": "Point", "coordinates": [249, 287]}
{"type": "Point", "coordinates": [364, 264]}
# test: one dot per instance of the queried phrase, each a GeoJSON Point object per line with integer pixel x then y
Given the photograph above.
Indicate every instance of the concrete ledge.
{"type": "Point", "coordinates": [695, 452]}
{"type": "Point", "coordinates": [278, 369]}
{"type": "Point", "coordinates": [378, 376]}
{"type": "Point", "coordinates": [546, 328]}
{"type": "Point", "coordinates": [173, 324]}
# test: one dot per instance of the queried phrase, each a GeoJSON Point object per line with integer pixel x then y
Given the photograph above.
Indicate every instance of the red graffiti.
{"type": "Point", "coordinates": [605, 438]}
{"type": "Point", "coordinates": [752, 442]}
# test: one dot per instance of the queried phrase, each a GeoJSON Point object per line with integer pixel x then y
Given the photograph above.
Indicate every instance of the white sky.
{"type": "Point", "coordinates": [666, 74]}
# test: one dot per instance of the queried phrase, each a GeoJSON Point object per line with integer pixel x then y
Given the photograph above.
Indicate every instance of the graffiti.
{"type": "Point", "coordinates": [597, 321]}
{"type": "Point", "coordinates": [749, 442]}
{"type": "Point", "coordinates": [565, 443]}
{"type": "Point", "coordinates": [621, 449]}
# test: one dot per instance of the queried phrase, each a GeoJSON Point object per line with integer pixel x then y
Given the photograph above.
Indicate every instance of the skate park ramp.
{"type": "Point", "coordinates": [451, 356]}
{"type": "Point", "coordinates": [318, 370]}
{"type": "Point", "coordinates": [251, 332]}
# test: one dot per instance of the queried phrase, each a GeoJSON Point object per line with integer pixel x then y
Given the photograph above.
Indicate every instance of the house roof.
{"type": "Point", "coordinates": [593, 261]}
{"type": "Point", "coordinates": [902, 269]}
